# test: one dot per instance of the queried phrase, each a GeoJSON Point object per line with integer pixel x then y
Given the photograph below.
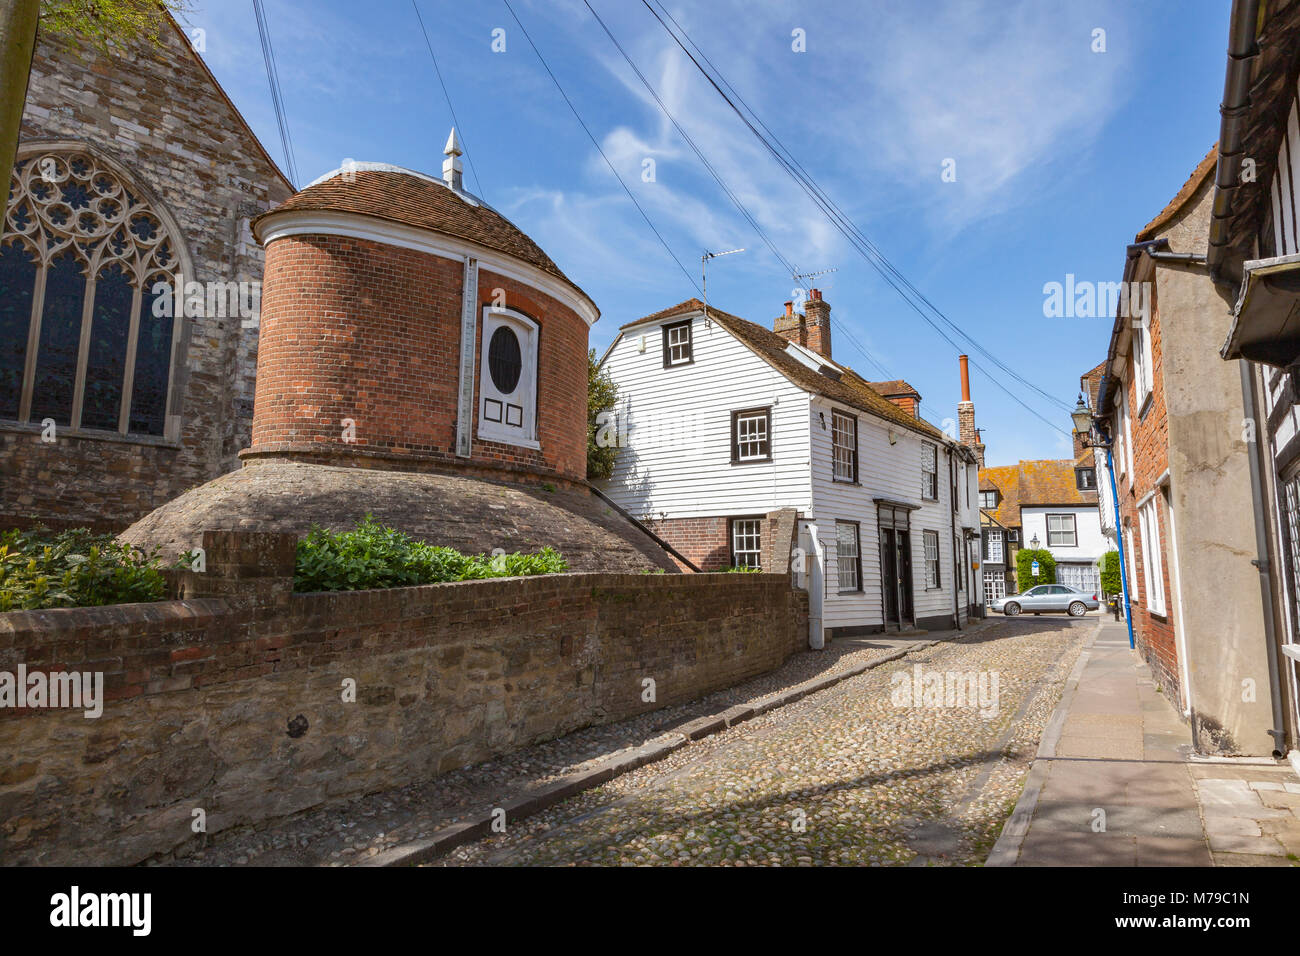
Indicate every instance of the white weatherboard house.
{"type": "Point", "coordinates": [726, 426]}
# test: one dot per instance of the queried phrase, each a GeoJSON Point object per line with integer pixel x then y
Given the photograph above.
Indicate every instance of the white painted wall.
{"type": "Point", "coordinates": [890, 470]}
{"type": "Point", "coordinates": [677, 459]}
{"type": "Point", "coordinates": [676, 462]}
{"type": "Point", "coordinates": [1091, 543]}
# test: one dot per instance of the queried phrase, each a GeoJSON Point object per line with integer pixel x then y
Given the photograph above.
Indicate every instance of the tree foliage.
{"type": "Point", "coordinates": [100, 23]}
{"type": "Point", "coordinates": [1110, 579]}
{"type": "Point", "coordinates": [602, 430]}
{"type": "Point", "coordinates": [1025, 558]}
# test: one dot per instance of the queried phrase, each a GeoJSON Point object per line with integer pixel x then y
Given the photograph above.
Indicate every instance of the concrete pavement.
{"type": "Point", "coordinates": [1115, 782]}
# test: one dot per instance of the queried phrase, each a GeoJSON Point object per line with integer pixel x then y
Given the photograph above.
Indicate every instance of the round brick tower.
{"type": "Point", "coordinates": [406, 324]}
{"type": "Point", "coordinates": [422, 361]}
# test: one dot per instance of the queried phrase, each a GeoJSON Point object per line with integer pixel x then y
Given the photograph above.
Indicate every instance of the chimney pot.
{"type": "Point", "coordinates": [789, 308]}
{"type": "Point", "coordinates": [965, 378]}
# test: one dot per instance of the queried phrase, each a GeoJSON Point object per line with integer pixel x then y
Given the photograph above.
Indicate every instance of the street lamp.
{"type": "Point", "coordinates": [1034, 542]}
{"type": "Point", "coordinates": [1082, 418]}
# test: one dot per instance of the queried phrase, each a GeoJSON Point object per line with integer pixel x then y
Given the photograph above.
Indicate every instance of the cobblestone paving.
{"type": "Point", "coordinates": [846, 776]}
{"type": "Point", "coordinates": [354, 831]}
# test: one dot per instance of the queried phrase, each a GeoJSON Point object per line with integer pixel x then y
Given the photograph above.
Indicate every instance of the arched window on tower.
{"type": "Point", "coordinates": [80, 255]}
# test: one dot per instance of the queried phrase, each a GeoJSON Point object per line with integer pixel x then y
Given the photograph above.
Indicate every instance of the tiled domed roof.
{"type": "Point", "coordinates": [414, 199]}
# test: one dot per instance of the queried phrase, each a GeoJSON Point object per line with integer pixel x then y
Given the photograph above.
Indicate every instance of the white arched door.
{"type": "Point", "coordinates": [508, 378]}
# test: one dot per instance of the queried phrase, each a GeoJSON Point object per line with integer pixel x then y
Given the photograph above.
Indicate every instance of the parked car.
{"type": "Point", "coordinates": [1047, 597]}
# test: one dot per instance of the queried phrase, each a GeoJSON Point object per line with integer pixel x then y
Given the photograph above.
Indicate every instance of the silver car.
{"type": "Point", "coordinates": [1047, 597]}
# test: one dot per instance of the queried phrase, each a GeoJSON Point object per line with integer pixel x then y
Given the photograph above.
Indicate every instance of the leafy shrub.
{"type": "Point", "coordinates": [374, 556]}
{"type": "Point", "coordinates": [1025, 559]}
{"type": "Point", "coordinates": [742, 569]}
{"type": "Point", "coordinates": [78, 568]}
{"type": "Point", "coordinates": [1110, 580]}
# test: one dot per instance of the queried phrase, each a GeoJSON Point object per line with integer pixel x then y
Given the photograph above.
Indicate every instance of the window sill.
{"type": "Point", "coordinates": [1144, 405]}
{"type": "Point", "coordinates": [511, 440]}
{"type": "Point", "coordinates": [90, 434]}
{"type": "Point", "coordinates": [752, 461]}
{"type": "Point", "coordinates": [845, 481]}
{"type": "Point", "coordinates": [842, 593]}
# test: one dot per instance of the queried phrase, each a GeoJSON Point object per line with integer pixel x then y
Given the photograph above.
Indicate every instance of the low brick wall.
{"type": "Point", "coordinates": [231, 701]}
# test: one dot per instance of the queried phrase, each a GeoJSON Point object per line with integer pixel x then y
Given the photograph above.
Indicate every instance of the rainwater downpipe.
{"type": "Point", "coordinates": [1261, 562]}
{"type": "Point", "coordinates": [1119, 539]}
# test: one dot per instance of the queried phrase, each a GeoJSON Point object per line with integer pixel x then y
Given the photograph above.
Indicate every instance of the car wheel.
{"type": "Point", "coordinates": [1011, 610]}
{"type": "Point", "coordinates": [1078, 609]}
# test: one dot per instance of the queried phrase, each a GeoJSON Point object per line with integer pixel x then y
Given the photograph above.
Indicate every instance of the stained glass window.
{"type": "Point", "coordinates": [78, 245]}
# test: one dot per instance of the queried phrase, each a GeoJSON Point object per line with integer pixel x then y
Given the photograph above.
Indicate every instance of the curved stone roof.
{"type": "Point", "coordinates": [473, 515]}
{"type": "Point", "coordinates": [409, 198]}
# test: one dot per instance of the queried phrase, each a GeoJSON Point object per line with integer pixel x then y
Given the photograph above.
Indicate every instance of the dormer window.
{"type": "Point", "coordinates": [678, 347]}
{"type": "Point", "coordinates": [1086, 479]}
{"type": "Point", "coordinates": [988, 500]}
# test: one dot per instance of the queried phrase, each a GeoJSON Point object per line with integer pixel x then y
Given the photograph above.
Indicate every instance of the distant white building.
{"type": "Point", "coordinates": [1049, 504]}
{"type": "Point", "coordinates": [740, 442]}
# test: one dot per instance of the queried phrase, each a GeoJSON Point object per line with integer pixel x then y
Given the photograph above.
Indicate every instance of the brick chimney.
{"type": "Point", "coordinates": [818, 320]}
{"type": "Point", "coordinates": [969, 434]}
{"type": "Point", "coordinates": [792, 326]}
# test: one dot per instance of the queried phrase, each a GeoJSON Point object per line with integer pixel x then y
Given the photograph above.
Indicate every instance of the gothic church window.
{"type": "Point", "coordinates": [80, 254]}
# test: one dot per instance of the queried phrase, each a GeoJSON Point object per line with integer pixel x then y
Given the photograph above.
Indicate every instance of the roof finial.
{"type": "Point", "coordinates": [452, 170]}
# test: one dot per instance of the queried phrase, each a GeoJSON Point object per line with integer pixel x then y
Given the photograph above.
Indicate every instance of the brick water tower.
{"type": "Point", "coordinates": [421, 359]}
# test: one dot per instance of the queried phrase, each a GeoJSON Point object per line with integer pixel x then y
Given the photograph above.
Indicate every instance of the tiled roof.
{"type": "Point", "coordinates": [1206, 166]}
{"type": "Point", "coordinates": [896, 387]}
{"type": "Point", "coordinates": [420, 201]}
{"type": "Point", "coordinates": [852, 389]}
{"type": "Point", "coordinates": [1031, 484]}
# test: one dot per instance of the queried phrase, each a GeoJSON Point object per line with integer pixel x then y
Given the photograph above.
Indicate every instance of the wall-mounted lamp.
{"type": "Point", "coordinates": [893, 437]}
{"type": "Point", "coordinates": [822, 416]}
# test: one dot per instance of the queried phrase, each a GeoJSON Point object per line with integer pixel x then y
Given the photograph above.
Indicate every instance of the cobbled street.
{"type": "Point", "coordinates": [846, 776]}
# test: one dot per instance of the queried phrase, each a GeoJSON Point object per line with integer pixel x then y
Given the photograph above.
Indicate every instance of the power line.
{"type": "Point", "coordinates": [585, 129]}
{"type": "Point", "coordinates": [277, 98]}
{"type": "Point", "coordinates": [690, 142]}
{"type": "Point", "coordinates": [447, 95]}
{"type": "Point", "coordinates": [790, 269]}
{"type": "Point", "coordinates": [856, 237]}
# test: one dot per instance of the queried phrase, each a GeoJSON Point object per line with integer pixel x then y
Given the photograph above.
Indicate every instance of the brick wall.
{"type": "Point", "coordinates": [231, 700]}
{"type": "Point", "coordinates": [704, 541]}
{"type": "Point", "coordinates": [355, 329]}
{"type": "Point", "coordinates": [1153, 633]}
{"type": "Point", "coordinates": [161, 116]}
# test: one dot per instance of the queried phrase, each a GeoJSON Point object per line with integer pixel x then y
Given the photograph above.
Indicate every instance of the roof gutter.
{"type": "Point", "coordinates": [1242, 50]}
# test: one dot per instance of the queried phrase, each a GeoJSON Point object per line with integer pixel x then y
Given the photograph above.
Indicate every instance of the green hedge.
{"type": "Point", "coordinates": [78, 568]}
{"type": "Point", "coordinates": [1110, 579]}
{"type": "Point", "coordinates": [1025, 558]}
{"type": "Point", "coordinates": [374, 556]}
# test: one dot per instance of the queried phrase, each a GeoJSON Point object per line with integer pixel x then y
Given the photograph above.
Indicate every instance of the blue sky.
{"type": "Point", "coordinates": [1061, 154]}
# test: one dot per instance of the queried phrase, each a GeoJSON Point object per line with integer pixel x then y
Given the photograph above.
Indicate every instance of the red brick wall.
{"type": "Point", "coordinates": [354, 329]}
{"type": "Point", "coordinates": [232, 700]}
{"type": "Point", "coordinates": [704, 541]}
{"type": "Point", "coordinates": [1153, 634]}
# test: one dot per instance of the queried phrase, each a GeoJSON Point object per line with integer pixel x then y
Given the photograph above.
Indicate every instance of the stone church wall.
{"type": "Point", "coordinates": [162, 118]}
